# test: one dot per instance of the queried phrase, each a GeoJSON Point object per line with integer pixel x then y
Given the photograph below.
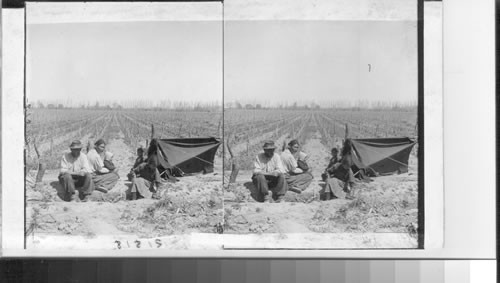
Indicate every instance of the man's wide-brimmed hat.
{"type": "Point", "coordinates": [269, 145]}
{"type": "Point", "coordinates": [76, 144]}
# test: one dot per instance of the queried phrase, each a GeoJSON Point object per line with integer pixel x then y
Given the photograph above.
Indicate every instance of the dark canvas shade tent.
{"type": "Point", "coordinates": [189, 155]}
{"type": "Point", "coordinates": [382, 156]}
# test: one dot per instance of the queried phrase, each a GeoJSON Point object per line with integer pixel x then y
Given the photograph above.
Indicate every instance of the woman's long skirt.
{"type": "Point", "coordinates": [105, 182]}
{"type": "Point", "coordinates": [142, 187]}
{"type": "Point", "coordinates": [300, 181]}
{"type": "Point", "coordinates": [335, 186]}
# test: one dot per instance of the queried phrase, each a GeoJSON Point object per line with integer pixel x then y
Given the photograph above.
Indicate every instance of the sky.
{"type": "Point", "coordinates": [283, 61]}
{"type": "Point", "coordinates": [275, 53]}
{"type": "Point", "coordinates": [331, 10]}
{"type": "Point", "coordinates": [125, 61]}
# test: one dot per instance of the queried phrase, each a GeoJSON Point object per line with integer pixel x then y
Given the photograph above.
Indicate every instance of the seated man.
{"type": "Point", "coordinates": [75, 173]}
{"type": "Point", "coordinates": [269, 174]}
{"type": "Point", "coordinates": [298, 179]}
{"type": "Point", "coordinates": [104, 179]}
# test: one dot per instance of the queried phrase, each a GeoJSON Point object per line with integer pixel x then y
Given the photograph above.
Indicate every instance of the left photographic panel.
{"type": "Point", "coordinates": [123, 126]}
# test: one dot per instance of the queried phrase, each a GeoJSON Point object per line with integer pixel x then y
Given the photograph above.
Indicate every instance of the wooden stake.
{"type": "Point", "coordinates": [41, 165]}
{"type": "Point", "coordinates": [416, 128]}
{"type": "Point", "coordinates": [88, 146]}
{"type": "Point", "coordinates": [41, 172]}
{"type": "Point", "coordinates": [219, 127]}
{"type": "Point", "coordinates": [36, 149]}
{"type": "Point", "coordinates": [179, 131]}
{"type": "Point", "coordinates": [234, 164]}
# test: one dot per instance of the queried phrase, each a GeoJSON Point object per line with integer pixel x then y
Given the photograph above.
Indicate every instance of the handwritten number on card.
{"type": "Point", "coordinates": [138, 244]}
{"type": "Point", "coordinates": [219, 228]}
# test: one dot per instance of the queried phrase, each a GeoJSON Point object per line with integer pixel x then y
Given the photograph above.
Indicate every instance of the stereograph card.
{"type": "Point", "coordinates": [222, 129]}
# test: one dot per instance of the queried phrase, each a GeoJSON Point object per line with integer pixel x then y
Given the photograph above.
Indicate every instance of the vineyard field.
{"type": "Point", "coordinates": [192, 205]}
{"type": "Point", "coordinates": [387, 205]}
{"type": "Point", "coordinates": [200, 203]}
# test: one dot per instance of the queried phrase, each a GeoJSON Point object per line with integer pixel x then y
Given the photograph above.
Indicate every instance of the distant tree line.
{"type": "Point", "coordinates": [41, 105]}
{"type": "Point", "coordinates": [217, 107]}
{"type": "Point", "coordinates": [238, 105]}
{"type": "Point", "coordinates": [177, 106]}
{"type": "Point", "coordinates": [358, 106]}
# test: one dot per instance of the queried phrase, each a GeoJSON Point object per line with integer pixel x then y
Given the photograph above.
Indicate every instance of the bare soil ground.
{"type": "Point", "coordinates": [192, 205]}
{"type": "Point", "coordinates": [384, 213]}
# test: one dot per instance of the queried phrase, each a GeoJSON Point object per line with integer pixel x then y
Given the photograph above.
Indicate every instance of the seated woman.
{"type": "Point", "coordinates": [146, 179]}
{"type": "Point", "coordinates": [104, 178]}
{"type": "Point", "coordinates": [297, 178]}
{"type": "Point", "coordinates": [340, 175]}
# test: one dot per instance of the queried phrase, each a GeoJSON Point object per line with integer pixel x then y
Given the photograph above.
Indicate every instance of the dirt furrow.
{"type": "Point", "coordinates": [318, 154]}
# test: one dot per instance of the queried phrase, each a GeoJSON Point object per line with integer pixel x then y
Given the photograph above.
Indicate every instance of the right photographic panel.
{"type": "Point", "coordinates": [322, 117]}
